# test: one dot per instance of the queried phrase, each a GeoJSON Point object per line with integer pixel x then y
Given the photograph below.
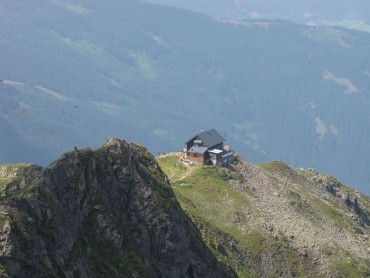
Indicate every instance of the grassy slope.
{"type": "Point", "coordinates": [230, 222]}
{"type": "Point", "coordinates": [210, 200]}
{"type": "Point", "coordinates": [8, 172]}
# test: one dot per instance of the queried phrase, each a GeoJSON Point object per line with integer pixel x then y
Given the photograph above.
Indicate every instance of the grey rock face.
{"type": "Point", "coordinates": [103, 213]}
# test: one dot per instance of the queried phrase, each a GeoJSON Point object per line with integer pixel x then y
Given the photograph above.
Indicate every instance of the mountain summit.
{"type": "Point", "coordinates": [104, 213]}
{"type": "Point", "coordinates": [114, 212]}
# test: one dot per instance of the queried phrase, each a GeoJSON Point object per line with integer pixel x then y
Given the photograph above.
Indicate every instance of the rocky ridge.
{"type": "Point", "coordinates": [104, 213]}
{"type": "Point", "coordinates": [314, 211]}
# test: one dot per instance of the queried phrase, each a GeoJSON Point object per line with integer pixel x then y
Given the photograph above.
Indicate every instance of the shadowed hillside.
{"type": "Point", "coordinates": [103, 213]}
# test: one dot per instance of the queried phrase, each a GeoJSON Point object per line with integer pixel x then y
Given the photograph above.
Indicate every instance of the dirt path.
{"type": "Point", "coordinates": [189, 168]}
{"type": "Point", "coordinates": [188, 172]}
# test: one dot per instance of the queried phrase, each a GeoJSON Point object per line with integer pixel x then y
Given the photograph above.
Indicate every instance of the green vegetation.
{"type": "Point", "coordinates": [309, 205]}
{"type": "Point", "coordinates": [107, 261]}
{"type": "Point", "coordinates": [17, 220]}
{"type": "Point", "coordinates": [219, 211]}
{"type": "Point", "coordinates": [346, 265]}
{"type": "Point", "coordinates": [212, 195]}
{"type": "Point", "coordinates": [9, 172]}
{"type": "Point", "coordinates": [3, 220]}
{"type": "Point", "coordinates": [3, 273]}
{"type": "Point", "coordinates": [147, 167]}
{"type": "Point", "coordinates": [224, 211]}
{"type": "Point", "coordinates": [333, 213]}
{"type": "Point", "coordinates": [282, 170]}
{"type": "Point", "coordinates": [172, 167]}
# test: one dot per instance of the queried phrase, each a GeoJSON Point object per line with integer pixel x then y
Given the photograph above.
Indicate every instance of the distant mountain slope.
{"type": "Point", "coordinates": [103, 213]}
{"type": "Point", "coordinates": [76, 73]}
{"type": "Point", "coordinates": [272, 220]}
{"type": "Point", "coordinates": [353, 15]}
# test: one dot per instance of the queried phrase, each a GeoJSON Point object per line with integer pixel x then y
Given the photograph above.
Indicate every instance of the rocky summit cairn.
{"type": "Point", "coordinates": [103, 213]}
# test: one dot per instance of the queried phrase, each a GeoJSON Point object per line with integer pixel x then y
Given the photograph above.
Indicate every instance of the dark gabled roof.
{"type": "Point", "coordinates": [200, 150]}
{"type": "Point", "coordinates": [209, 138]}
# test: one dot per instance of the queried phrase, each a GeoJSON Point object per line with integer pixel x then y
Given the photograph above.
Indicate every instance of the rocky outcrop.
{"type": "Point", "coordinates": [103, 213]}
{"type": "Point", "coordinates": [322, 221]}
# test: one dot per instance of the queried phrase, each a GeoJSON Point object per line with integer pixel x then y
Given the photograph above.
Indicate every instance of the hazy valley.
{"type": "Point", "coordinates": [78, 73]}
